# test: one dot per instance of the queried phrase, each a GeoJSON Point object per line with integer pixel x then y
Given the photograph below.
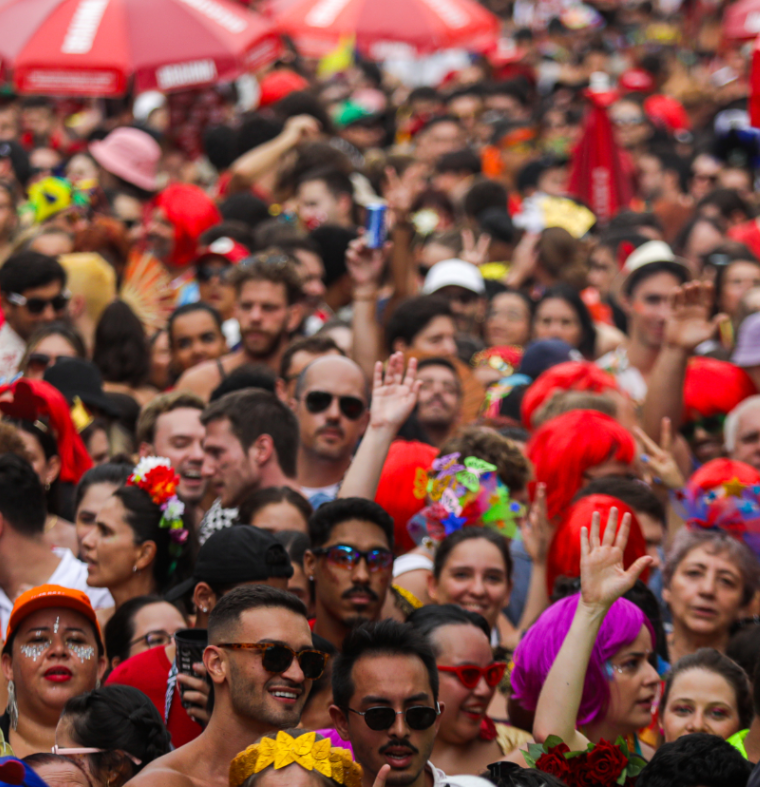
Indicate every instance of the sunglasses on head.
{"type": "Point", "coordinates": [204, 273]}
{"type": "Point", "coordinates": [418, 717]}
{"type": "Point", "coordinates": [278, 658]}
{"type": "Point", "coordinates": [351, 406]}
{"type": "Point", "coordinates": [38, 305]}
{"type": "Point", "coordinates": [469, 675]}
{"type": "Point", "coordinates": [346, 557]}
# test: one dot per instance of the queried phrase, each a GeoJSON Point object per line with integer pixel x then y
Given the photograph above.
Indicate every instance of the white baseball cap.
{"type": "Point", "coordinates": [454, 273]}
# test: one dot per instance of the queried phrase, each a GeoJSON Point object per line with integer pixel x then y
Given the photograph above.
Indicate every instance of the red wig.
{"type": "Point", "coordinates": [713, 388]}
{"type": "Point", "coordinates": [721, 471]}
{"type": "Point", "coordinates": [568, 376]}
{"type": "Point", "coordinates": [565, 447]}
{"type": "Point", "coordinates": [191, 211]}
{"type": "Point", "coordinates": [564, 558]}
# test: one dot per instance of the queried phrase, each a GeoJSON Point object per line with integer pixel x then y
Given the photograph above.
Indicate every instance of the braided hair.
{"type": "Point", "coordinates": [122, 721]}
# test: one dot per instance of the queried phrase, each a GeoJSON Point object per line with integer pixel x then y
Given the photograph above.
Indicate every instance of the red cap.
{"type": "Point", "coordinates": [50, 597]}
{"type": "Point", "coordinates": [668, 112]}
{"type": "Point", "coordinates": [229, 249]}
{"type": "Point", "coordinates": [636, 80]}
{"type": "Point", "coordinates": [278, 84]}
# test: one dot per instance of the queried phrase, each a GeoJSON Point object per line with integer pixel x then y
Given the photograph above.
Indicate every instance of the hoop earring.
{"type": "Point", "coordinates": [12, 707]}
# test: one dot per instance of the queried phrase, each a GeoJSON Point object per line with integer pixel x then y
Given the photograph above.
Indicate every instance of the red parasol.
{"type": "Point", "coordinates": [387, 28]}
{"type": "Point", "coordinates": [599, 176]}
{"type": "Point", "coordinates": [741, 21]}
{"type": "Point", "coordinates": [94, 47]}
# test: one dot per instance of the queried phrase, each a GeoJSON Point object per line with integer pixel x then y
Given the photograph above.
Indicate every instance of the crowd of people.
{"type": "Point", "coordinates": [338, 403]}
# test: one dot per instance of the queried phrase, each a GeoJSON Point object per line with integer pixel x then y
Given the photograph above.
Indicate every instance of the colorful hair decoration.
{"type": "Point", "coordinates": [724, 495]}
{"type": "Point", "coordinates": [463, 494]}
{"type": "Point", "coordinates": [156, 476]}
{"type": "Point", "coordinates": [314, 755]}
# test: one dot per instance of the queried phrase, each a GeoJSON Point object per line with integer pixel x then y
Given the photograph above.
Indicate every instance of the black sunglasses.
{"type": "Point", "coordinates": [347, 558]}
{"type": "Point", "coordinates": [713, 424]}
{"type": "Point", "coordinates": [38, 305]}
{"type": "Point", "coordinates": [278, 658]}
{"type": "Point", "coordinates": [351, 406]}
{"type": "Point", "coordinates": [418, 717]}
{"type": "Point", "coordinates": [204, 273]}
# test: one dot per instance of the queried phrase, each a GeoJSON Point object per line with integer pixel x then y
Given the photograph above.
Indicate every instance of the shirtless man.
{"type": "Point", "coordinates": [249, 700]}
{"type": "Point", "coordinates": [268, 306]}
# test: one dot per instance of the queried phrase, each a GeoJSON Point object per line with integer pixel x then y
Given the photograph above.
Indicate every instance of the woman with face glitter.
{"type": "Point", "coordinates": [53, 652]}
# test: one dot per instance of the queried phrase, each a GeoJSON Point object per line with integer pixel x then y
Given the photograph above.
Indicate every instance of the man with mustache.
{"type": "Point", "coordinates": [440, 399]}
{"type": "Point", "coordinates": [257, 690]}
{"type": "Point", "coordinates": [350, 563]}
{"type": "Point", "coordinates": [385, 701]}
{"type": "Point", "coordinates": [331, 405]}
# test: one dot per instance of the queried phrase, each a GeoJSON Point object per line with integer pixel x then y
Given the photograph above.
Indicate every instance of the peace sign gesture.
{"type": "Point", "coordinates": [603, 578]}
{"type": "Point", "coordinates": [475, 253]}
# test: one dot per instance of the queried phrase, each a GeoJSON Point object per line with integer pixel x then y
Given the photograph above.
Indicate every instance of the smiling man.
{"type": "Point", "coordinates": [261, 661]}
{"type": "Point", "coordinates": [385, 695]}
{"type": "Point", "coordinates": [351, 563]}
{"type": "Point", "coordinates": [440, 399]}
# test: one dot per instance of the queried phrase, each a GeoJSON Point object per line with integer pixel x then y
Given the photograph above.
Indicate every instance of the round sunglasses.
{"type": "Point", "coordinates": [347, 558]}
{"type": "Point", "coordinates": [418, 717]}
{"type": "Point", "coordinates": [278, 658]}
{"type": "Point", "coordinates": [469, 675]}
{"type": "Point", "coordinates": [351, 406]}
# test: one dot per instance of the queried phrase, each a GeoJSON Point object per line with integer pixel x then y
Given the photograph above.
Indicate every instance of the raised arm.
{"type": "Point", "coordinates": [393, 399]}
{"type": "Point", "coordinates": [603, 581]}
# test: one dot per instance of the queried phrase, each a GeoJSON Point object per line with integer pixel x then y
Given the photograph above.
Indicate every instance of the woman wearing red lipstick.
{"type": "Point", "coordinates": [467, 739]}
{"type": "Point", "coordinates": [53, 652]}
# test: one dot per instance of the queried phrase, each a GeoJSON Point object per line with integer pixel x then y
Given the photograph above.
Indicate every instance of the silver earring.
{"type": "Point", "coordinates": [134, 569]}
{"type": "Point", "coordinates": [98, 684]}
{"type": "Point", "coordinates": [204, 609]}
{"type": "Point", "coordinates": [12, 707]}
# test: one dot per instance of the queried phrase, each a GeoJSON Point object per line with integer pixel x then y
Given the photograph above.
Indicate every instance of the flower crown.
{"type": "Point", "coordinates": [731, 506]}
{"type": "Point", "coordinates": [312, 754]}
{"type": "Point", "coordinates": [598, 765]}
{"type": "Point", "coordinates": [156, 476]}
{"type": "Point", "coordinates": [462, 493]}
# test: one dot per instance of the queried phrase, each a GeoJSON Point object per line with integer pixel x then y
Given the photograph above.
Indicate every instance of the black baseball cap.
{"type": "Point", "coordinates": [237, 554]}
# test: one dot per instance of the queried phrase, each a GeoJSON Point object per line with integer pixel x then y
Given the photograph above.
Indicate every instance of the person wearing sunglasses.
{"type": "Point", "coordinates": [331, 405]}
{"type": "Point", "coordinates": [112, 732]}
{"type": "Point", "coordinates": [262, 663]}
{"type": "Point", "coordinates": [350, 563]}
{"type": "Point", "coordinates": [385, 702]}
{"type": "Point", "coordinates": [46, 345]}
{"type": "Point", "coordinates": [32, 294]}
{"type": "Point", "coordinates": [467, 740]}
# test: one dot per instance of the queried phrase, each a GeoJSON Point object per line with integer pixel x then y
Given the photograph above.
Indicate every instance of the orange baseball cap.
{"type": "Point", "coordinates": [51, 596]}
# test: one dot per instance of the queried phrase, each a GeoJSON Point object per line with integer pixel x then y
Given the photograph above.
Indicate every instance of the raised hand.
{"type": "Point", "coordinates": [536, 530]}
{"type": "Point", "coordinates": [603, 578]}
{"type": "Point", "coordinates": [659, 458]}
{"type": "Point", "coordinates": [689, 323]}
{"type": "Point", "coordinates": [400, 192]}
{"type": "Point", "coordinates": [394, 394]}
{"type": "Point", "coordinates": [476, 253]}
{"type": "Point", "coordinates": [302, 127]}
{"type": "Point", "coordinates": [364, 265]}
{"type": "Point", "coordinates": [382, 775]}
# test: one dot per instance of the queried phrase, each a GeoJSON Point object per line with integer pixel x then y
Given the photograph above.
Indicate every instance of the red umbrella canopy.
{"type": "Point", "coordinates": [598, 175]}
{"type": "Point", "coordinates": [384, 28]}
{"type": "Point", "coordinates": [742, 20]}
{"type": "Point", "coordinates": [93, 47]}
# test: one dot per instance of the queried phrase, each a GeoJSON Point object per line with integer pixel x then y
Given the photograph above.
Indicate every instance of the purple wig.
{"type": "Point", "coordinates": [539, 647]}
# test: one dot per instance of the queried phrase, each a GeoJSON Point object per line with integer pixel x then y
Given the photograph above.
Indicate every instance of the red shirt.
{"type": "Point", "coordinates": [149, 672]}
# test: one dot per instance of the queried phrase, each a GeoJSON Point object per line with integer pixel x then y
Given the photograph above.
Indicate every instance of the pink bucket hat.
{"type": "Point", "coordinates": [130, 154]}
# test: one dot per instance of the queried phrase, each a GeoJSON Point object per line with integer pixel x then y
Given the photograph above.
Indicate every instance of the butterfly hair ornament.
{"type": "Point", "coordinates": [462, 493]}
{"type": "Point", "coordinates": [156, 476]}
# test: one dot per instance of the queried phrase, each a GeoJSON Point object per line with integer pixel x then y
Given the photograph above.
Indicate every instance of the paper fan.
{"type": "Point", "coordinates": [147, 289]}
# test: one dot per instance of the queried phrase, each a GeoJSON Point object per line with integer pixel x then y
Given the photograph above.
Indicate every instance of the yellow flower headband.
{"type": "Point", "coordinates": [312, 754]}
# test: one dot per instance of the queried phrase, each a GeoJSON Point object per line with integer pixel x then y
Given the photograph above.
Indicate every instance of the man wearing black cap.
{"type": "Point", "coordinates": [240, 555]}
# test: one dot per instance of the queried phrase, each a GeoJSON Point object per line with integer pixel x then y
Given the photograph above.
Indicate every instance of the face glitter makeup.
{"type": "Point", "coordinates": [35, 650]}
{"type": "Point", "coordinates": [82, 652]}
{"type": "Point", "coordinates": [55, 627]}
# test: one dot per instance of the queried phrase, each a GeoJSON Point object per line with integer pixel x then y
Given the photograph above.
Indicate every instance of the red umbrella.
{"type": "Point", "coordinates": [385, 28]}
{"type": "Point", "coordinates": [94, 47]}
{"type": "Point", "coordinates": [599, 176]}
{"type": "Point", "coordinates": [742, 20]}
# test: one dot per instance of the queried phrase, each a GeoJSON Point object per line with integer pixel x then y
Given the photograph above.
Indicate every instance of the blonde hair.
{"type": "Point", "coordinates": [91, 277]}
